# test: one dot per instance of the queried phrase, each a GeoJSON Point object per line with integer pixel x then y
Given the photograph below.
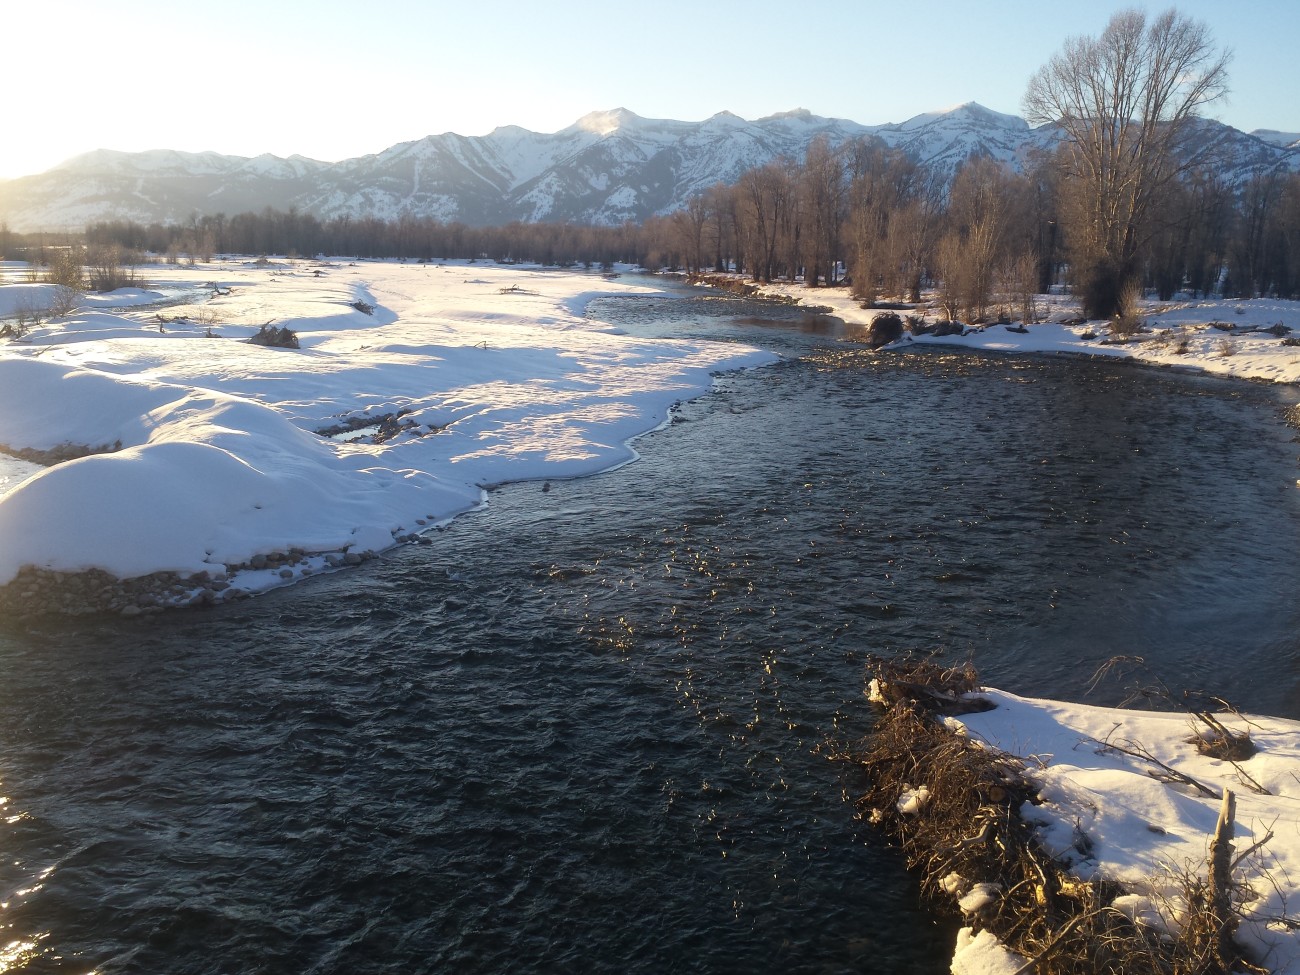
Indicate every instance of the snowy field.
{"type": "Point", "coordinates": [219, 450]}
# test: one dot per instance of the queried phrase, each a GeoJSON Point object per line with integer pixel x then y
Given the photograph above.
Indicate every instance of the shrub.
{"type": "Point", "coordinates": [1127, 321]}
{"type": "Point", "coordinates": [280, 338]}
{"type": "Point", "coordinates": [65, 269]}
{"type": "Point", "coordinates": [110, 268]}
{"type": "Point", "coordinates": [365, 307]}
{"type": "Point", "coordinates": [884, 329]}
{"type": "Point", "coordinates": [27, 316]}
{"type": "Point", "coordinates": [64, 300]}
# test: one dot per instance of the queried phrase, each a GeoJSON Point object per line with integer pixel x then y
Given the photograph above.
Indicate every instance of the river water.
{"type": "Point", "coordinates": [585, 729]}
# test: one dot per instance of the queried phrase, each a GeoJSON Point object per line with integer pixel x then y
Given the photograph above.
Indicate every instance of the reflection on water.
{"type": "Point", "coordinates": [580, 732]}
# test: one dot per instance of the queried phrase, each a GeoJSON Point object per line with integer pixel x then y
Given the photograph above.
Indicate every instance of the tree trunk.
{"type": "Point", "coordinates": [1221, 882]}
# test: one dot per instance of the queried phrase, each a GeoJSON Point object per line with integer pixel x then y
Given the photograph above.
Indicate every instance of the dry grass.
{"type": "Point", "coordinates": [954, 807]}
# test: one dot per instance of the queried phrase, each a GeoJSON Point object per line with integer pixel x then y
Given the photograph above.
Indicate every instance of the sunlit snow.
{"type": "Point", "coordinates": [214, 446]}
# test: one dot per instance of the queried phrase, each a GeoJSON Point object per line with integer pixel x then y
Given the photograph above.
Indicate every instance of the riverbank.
{"type": "Point", "coordinates": [1088, 838]}
{"type": "Point", "coordinates": [225, 468]}
{"type": "Point", "coordinates": [1227, 337]}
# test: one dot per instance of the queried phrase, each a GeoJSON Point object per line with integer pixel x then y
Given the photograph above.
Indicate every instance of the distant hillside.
{"type": "Point", "coordinates": [606, 168]}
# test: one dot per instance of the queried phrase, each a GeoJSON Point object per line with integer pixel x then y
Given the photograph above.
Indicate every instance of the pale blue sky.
{"type": "Point", "coordinates": [332, 79]}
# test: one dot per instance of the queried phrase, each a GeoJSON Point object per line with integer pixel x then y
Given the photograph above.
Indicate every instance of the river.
{"type": "Point", "coordinates": [585, 730]}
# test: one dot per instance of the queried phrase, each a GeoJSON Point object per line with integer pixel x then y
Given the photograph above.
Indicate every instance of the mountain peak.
{"type": "Point", "coordinates": [604, 123]}
{"type": "Point", "coordinates": [975, 110]}
{"type": "Point", "coordinates": [606, 168]}
{"type": "Point", "coordinates": [800, 114]}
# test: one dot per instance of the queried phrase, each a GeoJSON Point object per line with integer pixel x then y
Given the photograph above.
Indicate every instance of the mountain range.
{"type": "Point", "coordinates": [606, 168]}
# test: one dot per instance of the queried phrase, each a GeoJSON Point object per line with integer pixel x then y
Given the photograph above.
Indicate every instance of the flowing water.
{"type": "Point", "coordinates": [584, 730]}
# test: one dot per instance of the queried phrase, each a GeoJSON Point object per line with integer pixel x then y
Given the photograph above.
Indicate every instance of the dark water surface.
{"type": "Point", "coordinates": [578, 733]}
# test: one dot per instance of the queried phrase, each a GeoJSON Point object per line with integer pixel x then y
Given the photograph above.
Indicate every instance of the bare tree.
{"type": "Point", "coordinates": [823, 188]}
{"type": "Point", "coordinates": [1124, 101]}
{"type": "Point", "coordinates": [980, 200]}
{"type": "Point", "coordinates": [689, 224]}
{"type": "Point", "coordinates": [884, 182]}
{"type": "Point", "coordinates": [765, 197]}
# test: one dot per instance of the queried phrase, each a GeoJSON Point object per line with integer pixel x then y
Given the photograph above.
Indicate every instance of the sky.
{"type": "Point", "coordinates": [335, 79]}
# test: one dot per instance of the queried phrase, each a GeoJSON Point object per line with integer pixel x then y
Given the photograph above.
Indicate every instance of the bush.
{"type": "Point", "coordinates": [280, 338]}
{"type": "Point", "coordinates": [27, 316]}
{"type": "Point", "coordinates": [884, 329]}
{"type": "Point", "coordinates": [64, 300]}
{"type": "Point", "coordinates": [110, 269]}
{"type": "Point", "coordinates": [1126, 321]}
{"type": "Point", "coordinates": [65, 269]}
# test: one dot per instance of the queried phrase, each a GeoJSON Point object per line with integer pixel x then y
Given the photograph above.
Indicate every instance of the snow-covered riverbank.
{"type": "Point", "coordinates": [1102, 838]}
{"type": "Point", "coordinates": [214, 454]}
{"type": "Point", "coordinates": [1226, 337]}
{"type": "Point", "coordinates": [1126, 796]}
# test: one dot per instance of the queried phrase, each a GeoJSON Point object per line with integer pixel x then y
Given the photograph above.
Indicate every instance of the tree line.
{"type": "Point", "coordinates": [1129, 203]}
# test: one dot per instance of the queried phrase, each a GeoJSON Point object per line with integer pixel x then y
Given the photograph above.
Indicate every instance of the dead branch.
{"type": "Point", "coordinates": [1170, 774]}
{"type": "Point", "coordinates": [1221, 881]}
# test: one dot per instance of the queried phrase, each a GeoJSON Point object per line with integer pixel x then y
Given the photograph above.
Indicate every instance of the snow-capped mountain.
{"type": "Point", "coordinates": [606, 168]}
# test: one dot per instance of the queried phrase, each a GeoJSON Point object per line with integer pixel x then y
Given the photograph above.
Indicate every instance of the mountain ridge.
{"type": "Point", "coordinates": [607, 167]}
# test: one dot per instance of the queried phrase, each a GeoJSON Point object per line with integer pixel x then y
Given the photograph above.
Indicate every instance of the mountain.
{"type": "Point", "coordinates": [1288, 140]}
{"type": "Point", "coordinates": [606, 168]}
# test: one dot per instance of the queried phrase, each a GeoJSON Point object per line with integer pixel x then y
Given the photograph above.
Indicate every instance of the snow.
{"type": "Point", "coordinates": [912, 801]}
{"type": "Point", "coordinates": [983, 954]}
{"type": "Point", "coordinates": [1145, 832]}
{"type": "Point", "coordinates": [1240, 353]}
{"type": "Point", "coordinates": [215, 455]}
{"type": "Point", "coordinates": [979, 897]}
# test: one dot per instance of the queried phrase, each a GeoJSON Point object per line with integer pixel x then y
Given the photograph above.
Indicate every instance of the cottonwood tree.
{"type": "Point", "coordinates": [689, 224]}
{"type": "Point", "coordinates": [822, 187]}
{"type": "Point", "coordinates": [975, 245]}
{"type": "Point", "coordinates": [1255, 243]}
{"type": "Point", "coordinates": [1124, 101]}
{"type": "Point", "coordinates": [765, 197]}
{"type": "Point", "coordinates": [884, 183]}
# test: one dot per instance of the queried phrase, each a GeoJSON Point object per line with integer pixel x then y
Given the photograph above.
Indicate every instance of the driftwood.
{"type": "Point", "coordinates": [1221, 882]}
{"type": "Point", "coordinates": [1166, 773]}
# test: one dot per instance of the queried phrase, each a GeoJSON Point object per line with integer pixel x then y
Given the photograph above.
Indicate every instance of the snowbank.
{"type": "Point", "coordinates": [1179, 334]}
{"type": "Point", "coordinates": [213, 450]}
{"type": "Point", "coordinates": [1144, 828]}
